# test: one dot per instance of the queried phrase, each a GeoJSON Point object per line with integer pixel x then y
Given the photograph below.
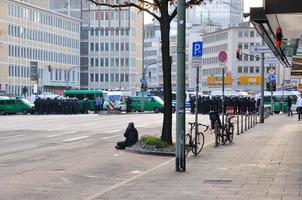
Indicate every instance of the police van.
{"type": "Point", "coordinates": [15, 105]}
{"type": "Point", "coordinates": [118, 98]}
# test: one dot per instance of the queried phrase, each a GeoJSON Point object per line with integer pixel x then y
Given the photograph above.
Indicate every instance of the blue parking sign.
{"type": "Point", "coordinates": [197, 49]}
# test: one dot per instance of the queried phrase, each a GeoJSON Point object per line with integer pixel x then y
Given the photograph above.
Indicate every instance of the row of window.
{"type": "Point", "coordinates": [215, 49]}
{"type": "Point", "coordinates": [248, 69]}
{"type": "Point", "coordinates": [248, 34]}
{"type": "Point", "coordinates": [105, 31]}
{"type": "Point", "coordinates": [41, 17]}
{"type": "Point", "coordinates": [246, 45]}
{"type": "Point", "coordinates": [63, 75]}
{"type": "Point", "coordinates": [95, 46]}
{"type": "Point", "coordinates": [96, 77]}
{"type": "Point", "coordinates": [212, 71]}
{"type": "Point", "coordinates": [19, 71]}
{"type": "Point", "coordinates": [42, 55]}
{"type": "Point", "coordinates": [104, 62]}
{"type": "Point", "coordinates": [17, 89]}
{"type": "Point", "coordinates": [42, 36]}
{"type": "Point", "coordinates": [109, 15]}
{"type": "Point", "coordinates": [215, 37]}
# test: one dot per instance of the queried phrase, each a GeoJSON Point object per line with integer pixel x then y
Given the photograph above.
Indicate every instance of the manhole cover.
{"type": "Point", "coordinates": [217, 181]}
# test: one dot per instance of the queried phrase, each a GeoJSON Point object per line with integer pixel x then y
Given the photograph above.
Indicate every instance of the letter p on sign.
{"type": "Point", "coordinates": [197, 49]}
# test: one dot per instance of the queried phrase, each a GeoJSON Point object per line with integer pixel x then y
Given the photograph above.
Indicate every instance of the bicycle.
{"type": "Point", "coordinates": [194, 144]}
{"type": "Point", "coordinates": [216, 126]}
{"type": "Point", "coordinates": [228, 134]}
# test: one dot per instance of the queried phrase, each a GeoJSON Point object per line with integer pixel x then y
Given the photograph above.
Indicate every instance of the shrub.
{"type": "Point", "coordinates": [153, 140]}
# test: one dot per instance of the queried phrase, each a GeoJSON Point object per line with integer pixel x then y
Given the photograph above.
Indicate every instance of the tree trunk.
{"type": "Point", "coordinates": [166, 67]}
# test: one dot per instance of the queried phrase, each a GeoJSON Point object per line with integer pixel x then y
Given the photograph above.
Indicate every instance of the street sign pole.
{"type": "Point", "coordinates": [222, 57]}
{"type": "Point", "coordinates": [196, 107]}
{"type": "Point", "coordinates": [180, 161]}
{"type": "Point", "coordinates": [262, 89]}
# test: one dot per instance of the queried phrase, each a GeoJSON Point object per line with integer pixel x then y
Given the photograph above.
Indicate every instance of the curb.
{"type": "Point", "coordinates": [155, 153]}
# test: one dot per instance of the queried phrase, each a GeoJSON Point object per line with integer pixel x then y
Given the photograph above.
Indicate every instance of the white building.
{"type": "Point", "coordinates": [111, 44]}
{"type": "Point", "coordinates": [33, 33]}
{"type": "Point", "coordinates": [243, 74]}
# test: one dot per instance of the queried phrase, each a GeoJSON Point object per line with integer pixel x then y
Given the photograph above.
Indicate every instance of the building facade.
{"type": "Point", "coordinates": [241, 74]}
{"type": "Point", "coordinates": [111, 44]}
{"type": "Point", "coordinates": [32, 33]}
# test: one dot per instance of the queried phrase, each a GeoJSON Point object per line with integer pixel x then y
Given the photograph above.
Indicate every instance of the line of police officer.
{"type": "Point", "coordinates": [57, 106]}
{"type": "Point", "coordinates": [240, 105]}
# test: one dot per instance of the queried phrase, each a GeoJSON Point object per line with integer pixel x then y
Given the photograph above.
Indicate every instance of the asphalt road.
{"type": "Point", "coordinates": [70, 157]}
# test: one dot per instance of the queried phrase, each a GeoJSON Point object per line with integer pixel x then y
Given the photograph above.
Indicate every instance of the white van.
{"type": "Point", "coordinates": [119, 98]}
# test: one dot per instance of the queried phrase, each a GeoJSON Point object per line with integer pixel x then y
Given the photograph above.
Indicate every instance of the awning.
{"type": "Point", "coordinates": [278, 13]}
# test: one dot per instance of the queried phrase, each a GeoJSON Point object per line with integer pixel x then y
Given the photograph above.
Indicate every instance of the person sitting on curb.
{"type": "Point", "coordinates": [131, 136]}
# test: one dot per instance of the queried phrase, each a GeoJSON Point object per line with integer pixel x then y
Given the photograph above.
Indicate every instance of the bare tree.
{"type": "Point", "coordinates": [159, 10]}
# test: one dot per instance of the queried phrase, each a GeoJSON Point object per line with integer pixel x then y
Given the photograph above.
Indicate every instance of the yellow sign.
{"type": "Point", "coordinates": [250, 80]}
{"type": "Point", "coordinates": [214, 80]}
{"type": "Point", "coordinates": [299, 86]}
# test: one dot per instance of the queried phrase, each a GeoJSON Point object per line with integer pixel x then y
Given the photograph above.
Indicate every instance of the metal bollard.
{"type": "Point", "coordinates": [238, 125]}
{"type": "Point", "coordinates": [241, 123]}
{"type": "Point", "coordinates": [251, 116]}
{"type": "Point", "coordinates": [256, 115]}
{"type": "Point", "coordinates": [245, 125]}
{"type": "Point", "coordinates": [248, 121]}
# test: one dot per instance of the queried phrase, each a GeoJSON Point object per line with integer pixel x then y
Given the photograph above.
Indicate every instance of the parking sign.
{"type": "Point", "coordinates": [197, 49]}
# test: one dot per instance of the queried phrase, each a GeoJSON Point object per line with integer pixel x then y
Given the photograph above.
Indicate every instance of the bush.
{"type": "Point", "coordinates": [153, 140]}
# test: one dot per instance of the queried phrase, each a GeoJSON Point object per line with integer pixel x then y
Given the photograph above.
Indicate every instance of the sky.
{"type": "Point", "coordinates": [247, 5]}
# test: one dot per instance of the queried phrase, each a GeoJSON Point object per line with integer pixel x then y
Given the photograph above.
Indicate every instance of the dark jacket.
{"type": "Point", "coordinates": [131, 136]}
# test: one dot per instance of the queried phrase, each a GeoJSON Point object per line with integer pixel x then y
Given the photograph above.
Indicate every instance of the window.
{"type": "Point", "coordinates": [246, 69]}
{"type": "Point", "coordinates": [240, 34]}
{"type": "Point", "coordinates": [246, 57]}
{"type": "Point", "coordinates": [116, 77]}
{"type": "Point", "coordinates": [91, 62]}
{"type": "Point", "coordinates": [106, 46]}
{"type": "Point", "coordinates": [91, 46]}
{"type": "Point", "coordinates": [252, 34]}
{"type": "Point", "coordinates": [122, 77]}
{"type": "Point", "coordinates": [112, 46]}
{"type": "Point", "coordinates": [106, 62]}
{"type": "Point", "coordinates": [251, 70]}
{"type": "Point", "coordinates": [111, 77]}
{"type": "Point", "coordinates": [246, 33]}
{"type": "Point", "coordinates": [101, 77]}
{"type": "Point", "coordinates": [126, 77]}
{"type": "Point", "coordinates": [96, 77]}
{"type": "Point", "coordinates": [246, 45]}
{"type": "Point", "coordinates": [116, 46]}
{"type": "Point", "coordinates": [96, 46]}
{"type": "Point", "coordinates": [239, 45]}
{"type": "Point", "coordinates": [257, 70]}
{"type": "Point", "coordinates": [117, 62]}
{"type": "Point", "coordinates": [96, 62]}
{"type": "Point", "coordinates": [91, 77]}
{"type": "Point", "coordinates": [257, 58]}
{"type": "Point", "coordinates": [239, 69]}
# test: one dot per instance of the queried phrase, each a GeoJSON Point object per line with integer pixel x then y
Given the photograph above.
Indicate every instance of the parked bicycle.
{"type": "Point", "coordinates": [222, 133]}
{"type": "Point", "coordinates": [194, 144]}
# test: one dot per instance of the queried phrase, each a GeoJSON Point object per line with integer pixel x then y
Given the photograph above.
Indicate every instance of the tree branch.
{"type": "Point", "coordinates": [174, 13]}
{"type": "Point", "coordinates": [147, 2]}
{"type": "Point", "coordinates": [126, 5]}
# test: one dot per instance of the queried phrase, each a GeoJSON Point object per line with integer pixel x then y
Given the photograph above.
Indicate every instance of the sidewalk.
{"type": "Point", "coordinates": [263, 163]}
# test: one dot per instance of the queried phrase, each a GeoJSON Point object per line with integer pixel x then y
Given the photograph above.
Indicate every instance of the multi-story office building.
{"type": "Point", "coordinates": [32, 33]}
{"type": "Point", "coordinates": [220, 13]}
{"type": "Point", "coordinates": [111, 44]}
{"type": "Point", "coordinates": [152, 51]}
{"type": "Point", "coordinates": [242, 74]}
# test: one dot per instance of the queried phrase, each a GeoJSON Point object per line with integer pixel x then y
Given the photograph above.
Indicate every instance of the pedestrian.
{"type": "Point", "coordinates": [131, 136]}
{"type": "Point", "coordinates": [98, 103]}
{"type": "Point", "coordinates": [289, 106]}
{"type": "Point", "coordinates": [299, 106]}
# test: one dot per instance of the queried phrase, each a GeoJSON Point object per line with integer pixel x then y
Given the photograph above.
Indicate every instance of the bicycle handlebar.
{"type": "Point", "coordinates": [193, 123]}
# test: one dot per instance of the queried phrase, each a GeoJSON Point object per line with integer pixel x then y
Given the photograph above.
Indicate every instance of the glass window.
{"type": "Point", "coordinates": [91, 62]}
{"type": "Point", "coordinates": [116, 77]}
{"type": "Point", "coordinates": [91, 46]}
{"type": "Point", "coordinates": [246, 69]}
{"type": "Point", "coordinates": [240, 45]}
{"type": "Point", "coordinates": [101, 77]}
{"type": "Point", "coordinates": [126, 77]}
{"type": "Point", "coordinates": [246, 33]}
{"type": "Point", "coordinates": [246, 57]}
{"type": "Point", "coordinates": [251, 69]}
{"type": "Point", "coordinates": [257, 70]}
{"type": "Point", "coordinates": [91, 77]}
{"type": "Point", "coordinates": [252, 33]}
{"type": "Point", "coordinates": [240, 34]}
{"type": "Point", "coordinates": [239, 69]}
{"type": "Point", "coordinates": [246, 45]}
{"type": "Point", "coordinates": [96, 77]}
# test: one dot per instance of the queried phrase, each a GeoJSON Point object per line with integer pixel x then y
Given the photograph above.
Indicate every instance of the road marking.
{"type": "Point", "coordinates": [114, 131]}
{"type": "Point", "coordinates": [59, 134]}
{"type": "Point", "coordinates": [136, 172]}
{"type": "Point", "coordinates": [128, 180]}
{"type": "Point", "coordinates": [132, 178]}
{"type": "Point", "coordinates": [57, 129]}
{"type": "Point", "coordinates": [75, 139]}
{"type": "Point", "coordinates": [13, 136]}
{"type": "Point", "coordinates": [109, 137]}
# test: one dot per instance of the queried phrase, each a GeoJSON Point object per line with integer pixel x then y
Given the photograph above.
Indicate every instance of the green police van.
{"type": "Point", "coordinates": [151, 103]}
{"type": "Point", "coordinates": [13, 106]}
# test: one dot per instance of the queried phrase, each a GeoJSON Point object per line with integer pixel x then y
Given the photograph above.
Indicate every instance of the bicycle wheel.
{"type": "Point", "coordinates": [224, 135]}
{"type": "Point", "coordinates": [200, 143]}
{"type": "Point", "coordinates": [188, 144]}
{"type": "Point", "coordinates": [231, 134]}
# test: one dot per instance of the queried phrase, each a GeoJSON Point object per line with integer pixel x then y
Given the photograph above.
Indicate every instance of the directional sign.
{"type": "Point", "coordinates": [222, 56]}
{"type": "Point", "coordinates": [197, 49]}
{"type": "Point", "coordinates": [271, 78]}
{"type": "Point", "coordinates": [260, 49]}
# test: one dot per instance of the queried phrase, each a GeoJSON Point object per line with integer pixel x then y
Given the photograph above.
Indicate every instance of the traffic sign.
{"type": "Point", "coordinates": [260, 49]}
{"type": "Point", "coordinates": [197, 49]}
{"type": "Point", "coordinates": [222, 56]}
{"type": "Point", "coordinates": [271, 78]}
{"type": "Point", "coordinates": [143, 80]}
